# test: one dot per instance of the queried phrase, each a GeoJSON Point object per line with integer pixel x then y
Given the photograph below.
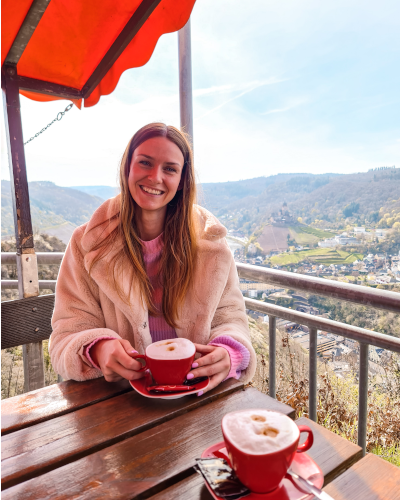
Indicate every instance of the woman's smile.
{"type": "Point", "coordinates": [151, 191]}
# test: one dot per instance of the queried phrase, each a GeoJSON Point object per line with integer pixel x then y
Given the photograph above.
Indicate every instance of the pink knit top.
{"type": "Point", "coordinates": [159, 328]}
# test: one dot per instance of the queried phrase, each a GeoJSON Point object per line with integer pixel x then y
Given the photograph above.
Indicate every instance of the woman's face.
{"type": "Point", "coordinates": [155, 173]}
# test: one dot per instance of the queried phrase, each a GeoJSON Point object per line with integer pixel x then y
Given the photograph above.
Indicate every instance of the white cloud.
{"type": "Point", "coordinates": [290, 106]}
{"type": "Point", "coordinates": [253, 86]}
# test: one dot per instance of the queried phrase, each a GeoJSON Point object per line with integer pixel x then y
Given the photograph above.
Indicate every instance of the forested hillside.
{"type": "Point", "coordinates": [242, 205]}
{"type": "Point", "coordinates": [324, 197]}
{"type": "Point", "coordinates": [55, 210]}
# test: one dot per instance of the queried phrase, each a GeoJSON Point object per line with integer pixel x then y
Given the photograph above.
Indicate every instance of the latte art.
{"type": "Point", "coordinates": [178, 348]}
{"type": "Point", "coordinates": [258, 432]}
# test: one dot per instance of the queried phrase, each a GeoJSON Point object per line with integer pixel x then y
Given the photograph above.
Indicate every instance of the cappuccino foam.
{"type": "Point", "coordinates": [258, 432]}
{"type": "Point", "coordinates": [178, 348]}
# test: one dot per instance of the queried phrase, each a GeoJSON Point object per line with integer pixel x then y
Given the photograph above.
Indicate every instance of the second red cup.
{"type": "Point", "coordinates": [261, 445]}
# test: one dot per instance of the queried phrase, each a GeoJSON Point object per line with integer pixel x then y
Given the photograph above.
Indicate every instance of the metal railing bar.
{"type": "Point", "coordinates": [272, 357]}
{"type": "Point", "coordinates": [312, 394]}
{"type": "Point", "coordinates": [363, 398]}
{"type": "Point", "coordinates": [43, 284]}
{"type": "Point", "coordinates": [42, 257]}
{"type": "Point", "coordinates": [381, 299]}
{"type": "Point", "coordinates": [352, 332]}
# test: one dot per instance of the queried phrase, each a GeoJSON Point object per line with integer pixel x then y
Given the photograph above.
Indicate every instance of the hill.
{"type": "Point", "coordinates": [55, 210]}
{"type": "Point", "coordinates": [222, 196]}
{"type": "Point", "coordinates": [333, 199]}
{"type": "Point", "coordinates": [103, 192]}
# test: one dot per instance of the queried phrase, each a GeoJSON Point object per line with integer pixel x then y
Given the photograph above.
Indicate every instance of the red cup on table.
{"type": "Point", "coordinates": [261, 445]}
{"type": "Point", "coordinates": [168, 360]}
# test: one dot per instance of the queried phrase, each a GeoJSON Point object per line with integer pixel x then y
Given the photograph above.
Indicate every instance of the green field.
{"type": "Point", "coordinates": [325, 256]}
{"type": "Point", "coordinates": [305, 235]}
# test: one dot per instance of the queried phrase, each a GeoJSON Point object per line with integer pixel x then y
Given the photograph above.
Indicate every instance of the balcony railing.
{"type": "Point", "coordinates": [381, 299]}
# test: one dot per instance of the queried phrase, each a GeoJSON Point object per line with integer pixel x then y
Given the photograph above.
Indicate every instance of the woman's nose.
{"type": "Point", "coordinates": [155, 175]}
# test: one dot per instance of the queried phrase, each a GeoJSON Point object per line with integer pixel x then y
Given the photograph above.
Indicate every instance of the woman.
{"type": "Point", "coordinates": [150, 265]}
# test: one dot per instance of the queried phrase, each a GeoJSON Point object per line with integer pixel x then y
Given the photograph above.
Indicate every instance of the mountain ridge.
{"type": "Point", "coordinates": [242, 205]}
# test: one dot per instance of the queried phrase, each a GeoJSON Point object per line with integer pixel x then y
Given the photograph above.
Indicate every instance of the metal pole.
{"type": "Point", "coordinates": [312, 395]}
{"type": "Point", "coordinates": [363, 397]}
{"type": "Point", "coordinates": [28, 284]}
{"type": "Point", "coordinates": [272, 357]}
{"type": "Point", "coordinates": [185, 80]}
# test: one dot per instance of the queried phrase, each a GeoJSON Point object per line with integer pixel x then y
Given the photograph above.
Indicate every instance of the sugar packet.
{"type": "Point", "coordinates": [221, 478]}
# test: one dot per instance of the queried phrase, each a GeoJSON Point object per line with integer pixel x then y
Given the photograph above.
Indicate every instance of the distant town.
{"type": "Point", "coordinates": [376, 270]}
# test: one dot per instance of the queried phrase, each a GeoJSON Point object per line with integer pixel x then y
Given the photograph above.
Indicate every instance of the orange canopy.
{"type": "Point", "coordinates": [73, 36]}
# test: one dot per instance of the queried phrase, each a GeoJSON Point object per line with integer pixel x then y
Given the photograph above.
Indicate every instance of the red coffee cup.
{"type": "Point", "coordinates": [263, 472]}
{"type": "Point", "coordinates": [167, 371]}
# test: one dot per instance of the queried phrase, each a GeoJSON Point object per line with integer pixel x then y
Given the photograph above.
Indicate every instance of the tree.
{"type": "Point", "coordinates": [350, 209]}
{"type": "Point", "coordinates": [390, 221]}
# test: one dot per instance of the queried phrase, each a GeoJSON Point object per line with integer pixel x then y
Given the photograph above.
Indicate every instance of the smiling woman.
{"type": "Point", "coordinates": [150, 265]}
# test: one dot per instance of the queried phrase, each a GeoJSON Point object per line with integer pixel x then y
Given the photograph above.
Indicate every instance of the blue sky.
{"type": "Point", "coordinates": [286, 86]}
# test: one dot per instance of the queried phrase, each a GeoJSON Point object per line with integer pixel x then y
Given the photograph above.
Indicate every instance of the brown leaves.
{"type": "Point", "coordinates": [337, 407]}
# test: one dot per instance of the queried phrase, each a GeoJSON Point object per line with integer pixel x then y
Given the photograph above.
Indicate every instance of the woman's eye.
{"type": "Point", "coordinates": [145, 162]}
{"type": "Point", "coordinates": [170, 169]}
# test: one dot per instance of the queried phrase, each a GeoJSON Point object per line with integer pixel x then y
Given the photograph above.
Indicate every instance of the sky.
{"type": "Point", "coordinates": [291, 86]}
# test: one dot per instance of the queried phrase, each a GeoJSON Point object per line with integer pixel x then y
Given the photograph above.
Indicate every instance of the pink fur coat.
{"type": "Point", "coordinates": [88, 307]}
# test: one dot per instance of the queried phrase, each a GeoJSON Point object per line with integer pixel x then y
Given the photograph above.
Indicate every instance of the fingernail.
{"type": "Point", "coordinates": [195, 365]}
{"type": "Point", "coordinates": [189, 376]}
{"type": "Point", "coordinates": [200, 393]}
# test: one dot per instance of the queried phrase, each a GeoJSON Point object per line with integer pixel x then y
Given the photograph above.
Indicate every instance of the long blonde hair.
{"type": "Point", "coordinates": [178, 256]}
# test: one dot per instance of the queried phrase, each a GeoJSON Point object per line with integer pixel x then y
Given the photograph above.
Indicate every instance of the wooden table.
{"type": "Point", "coordinates": [95, 440]}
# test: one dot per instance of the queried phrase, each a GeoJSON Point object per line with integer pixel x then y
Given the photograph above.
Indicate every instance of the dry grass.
{"type": "Point", "coordinates": [12, 371]}
{"type": "Point", "coordinates": [337, 397]}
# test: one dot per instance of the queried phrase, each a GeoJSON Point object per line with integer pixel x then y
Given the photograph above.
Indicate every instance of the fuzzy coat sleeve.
{"type": "Point", "coordinates": [230, 319]}
{"type": "Point", "coordinates": [77, 318]}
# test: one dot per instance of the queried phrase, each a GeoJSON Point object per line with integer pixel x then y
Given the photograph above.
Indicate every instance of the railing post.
{"type": "Point", "coordinates": [272, 357]}
{"type": "Point", "coordinates": [312, 395]}
{"type": "Point", "coordinates": [363, 397]}
{"type": "Point", "coordinates": [185, 80]}
{"type": "Point", "coordinates": [28, 284]}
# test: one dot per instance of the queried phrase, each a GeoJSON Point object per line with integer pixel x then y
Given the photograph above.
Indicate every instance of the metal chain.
{"type": "Point", "coordinates": [56, 119]}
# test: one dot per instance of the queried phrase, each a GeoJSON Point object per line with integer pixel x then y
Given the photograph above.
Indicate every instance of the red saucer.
{"type": "Point", "coordinates": [140, 385]}
{"type": "Point", "coordinates": [302, 465]}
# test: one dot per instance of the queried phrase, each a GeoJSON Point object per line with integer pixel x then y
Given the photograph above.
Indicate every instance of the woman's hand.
{"type": "Point", "coordinates": [215, 363]}
{"type": "Point", "coordinates": [113, 357]}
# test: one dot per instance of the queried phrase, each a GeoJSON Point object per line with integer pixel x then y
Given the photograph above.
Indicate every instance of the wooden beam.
{"type": "Point", "coordinates": [48, 88]}
{"type": "Point", "coordinates": [28, 284]}
{"type": "Point", "coordinates": [137, 20]}
{"type": "Point", "coordinates": [26, 31]}
{"type": "Point", "coordinates": [16, 155]}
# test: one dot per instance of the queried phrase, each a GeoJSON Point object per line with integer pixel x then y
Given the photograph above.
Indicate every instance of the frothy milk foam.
{"type": "Point", "coordinates": [258, 432]}
{"type": "Point", "coordinates": [178, 348]}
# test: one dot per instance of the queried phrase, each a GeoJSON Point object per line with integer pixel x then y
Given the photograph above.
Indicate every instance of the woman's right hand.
{"type": "Point", "coordinates": [113, 358]}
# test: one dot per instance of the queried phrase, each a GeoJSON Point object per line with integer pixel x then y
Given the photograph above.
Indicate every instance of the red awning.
{"type": "Point", "coordinates": [73, 36]}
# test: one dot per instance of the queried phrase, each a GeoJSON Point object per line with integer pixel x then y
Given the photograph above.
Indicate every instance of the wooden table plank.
{"type": "Point", "coordinates": [143, 464]}
{"type": "Point", "coordinates": [192, 488]}
{"type": "Point", "coordinates": [55, 400]}
{"type": "Point", "coordinates": [331, 452]}
{"type": "Point", "coordinates": [371, 478]}
{"type": "Point", "coordinates": [32, 451]}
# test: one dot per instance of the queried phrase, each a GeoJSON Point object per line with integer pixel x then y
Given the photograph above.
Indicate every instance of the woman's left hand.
{"type": "Point", "coordinates": [215, 363]}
